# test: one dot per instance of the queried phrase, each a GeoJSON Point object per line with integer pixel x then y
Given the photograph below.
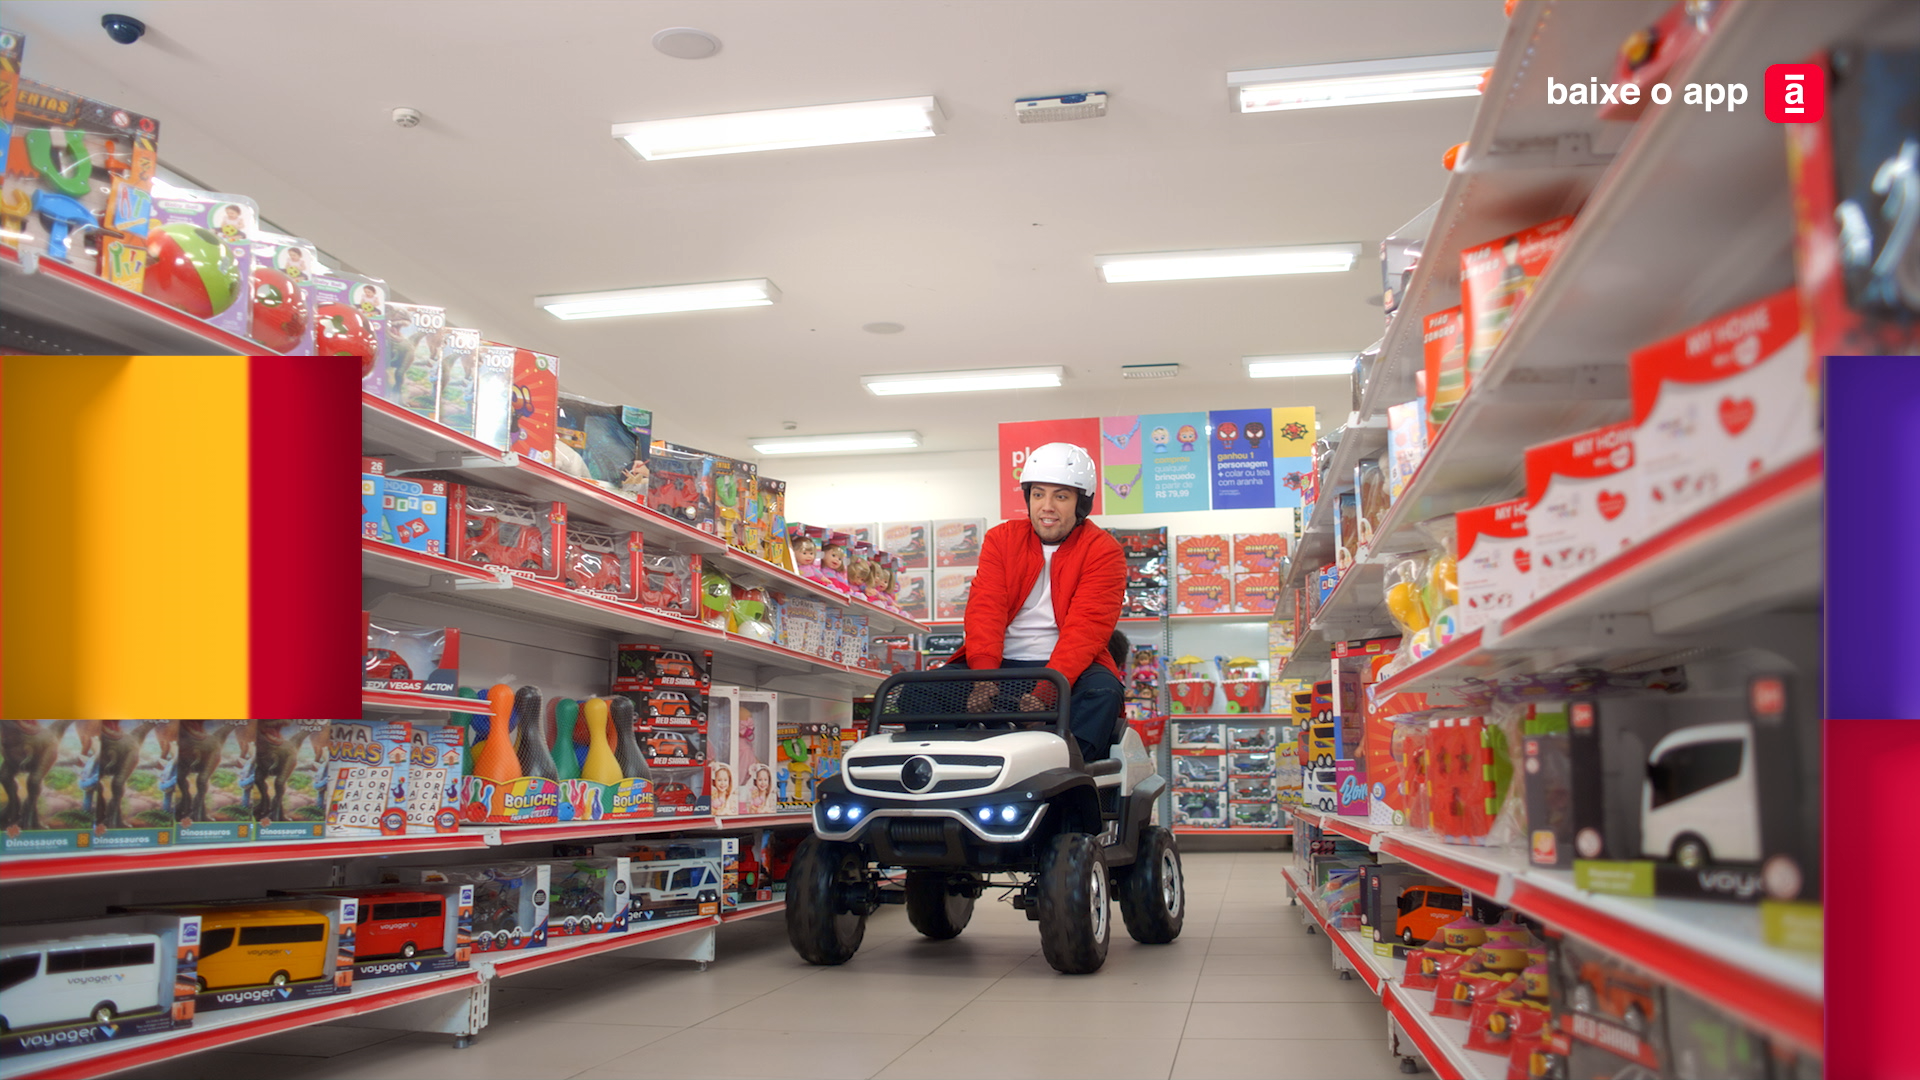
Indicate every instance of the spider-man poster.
{"type": "Point", "coordinates": [1241, 446]}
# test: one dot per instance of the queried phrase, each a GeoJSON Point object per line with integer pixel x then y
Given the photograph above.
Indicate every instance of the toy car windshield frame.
{"type": "Point", "coordinates": [936, 699]}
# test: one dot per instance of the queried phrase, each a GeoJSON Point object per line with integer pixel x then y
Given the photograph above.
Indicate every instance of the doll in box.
{"type": "Point", "coordinates": [833, 560]}
{"type": "Point", "coordinates": [805, 542]}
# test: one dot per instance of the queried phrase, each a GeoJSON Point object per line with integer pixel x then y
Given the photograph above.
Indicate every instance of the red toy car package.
{"type": "Point", "coordinates": [670, 584]}
{"type": "Point", "coordinates": [519, 536]}
{"type": "Point", "coordinates": [410, 659]}
{"type": "Point", "coordinates": [603, 564]}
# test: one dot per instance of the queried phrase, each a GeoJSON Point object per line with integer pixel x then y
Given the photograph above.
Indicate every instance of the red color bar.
{"type": "Point", "coordinates": [303, 584]}
{"type": "Point", "coordinates": [1866, 783]}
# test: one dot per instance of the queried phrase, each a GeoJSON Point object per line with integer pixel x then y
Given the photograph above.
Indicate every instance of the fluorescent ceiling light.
{"type": "Point", "coordinates": [755, 292]}
{"type": "Point", "coordinates": [783, 129]}
{"type": "Point", "coordinates": [1233, 262]}
{"type": "Point", "coordinates": [1274, 367]}
{"type": "Point", "coordinates": [949, 382]}
{"type": "Point", "coordinates": [1365, 82]}
{"type": "Point", "coordinates": [838, 444]}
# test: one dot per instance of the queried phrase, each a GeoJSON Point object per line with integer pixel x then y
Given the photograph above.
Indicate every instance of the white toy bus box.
{"type": "Point", "coordinates": [57, 977]}
{"type": "Point", "coordinates": [375, 919]}
{"type": "Point", "coordinates": [589, 896]}
{"type": "Point", "coordinates": [510, 905]}
{"type": "Point", "coordinates": [262, 953]}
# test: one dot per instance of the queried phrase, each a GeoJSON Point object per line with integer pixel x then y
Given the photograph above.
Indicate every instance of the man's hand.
{"type": "Point", "coordinates": [980, 698]}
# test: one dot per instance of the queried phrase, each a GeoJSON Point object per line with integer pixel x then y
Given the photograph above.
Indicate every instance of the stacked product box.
{"type": "Point", "coordinates": [408, 930]}
{"type": "Point", "coordinates": [1253, 800]}
{"type": "Point", "coordinates": [150, 959]}
{"type": "Point", "coordinates": [1149, 575]}
{"type": "Point", "coordinates": [673, 879]}
{"type": "Point", "coordinates": [1203, 567]}
{"type": "Point", "coordinates": [670, 688]}
{"type": "Point", "coordinates": [509, 899]}
{"type": "Point", "coordinates": [1255, 572]}
{"type": "Point", "coordinates": [1200, 796]}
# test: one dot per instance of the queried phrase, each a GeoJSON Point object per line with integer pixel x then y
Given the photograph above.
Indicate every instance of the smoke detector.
{"type": "Point", "coordinates": [1149, 371]}
{"type": "Point", "coordinates": [1041, 110]}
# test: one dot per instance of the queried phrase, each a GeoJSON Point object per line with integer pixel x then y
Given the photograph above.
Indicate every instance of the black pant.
{"type": "Point", "coordinates": [1093, 707]}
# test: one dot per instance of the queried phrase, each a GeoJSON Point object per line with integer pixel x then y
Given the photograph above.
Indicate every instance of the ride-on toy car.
{"type": "Point", "coordinates": [995, 797]}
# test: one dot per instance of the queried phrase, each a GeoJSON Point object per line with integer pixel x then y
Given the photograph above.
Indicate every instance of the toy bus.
{"type": "Point", "coordinates": [100, 977]}
{"type": "Point", "coordinates": [400, 924]}
{"type": "Point", "coordinates": [261, 946]}
{"type": "Point", "coordinates": [1424, 909]}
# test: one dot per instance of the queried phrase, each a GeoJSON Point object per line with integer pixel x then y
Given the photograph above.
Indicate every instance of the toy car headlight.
{"type": "Point", "coordinates": [985, 814]}
{"type": "Point", "coordinates": [853, 813]}
{"type": "Point", "coordinates": [834, 812]}
{"type": "Point", "coordinates": [1009, 813]}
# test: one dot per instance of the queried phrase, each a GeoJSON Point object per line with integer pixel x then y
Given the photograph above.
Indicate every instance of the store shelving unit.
{"type": "Point", "coordinates": [1712, 949]}
{"type": "Point", "coordinates": [49, 306]}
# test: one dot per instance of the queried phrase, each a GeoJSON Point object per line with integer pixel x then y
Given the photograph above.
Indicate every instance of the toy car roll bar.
{"type": "Point", "coordinates": [939, 699]}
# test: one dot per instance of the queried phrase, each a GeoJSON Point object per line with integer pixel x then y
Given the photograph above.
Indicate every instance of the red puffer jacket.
{"type": "Point", "coordinates": [1089, 582]}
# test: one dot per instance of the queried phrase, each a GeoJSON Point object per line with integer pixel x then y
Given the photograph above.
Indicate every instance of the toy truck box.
{"type": "Point", "coordinates": [509, 900]}
{"type": "Point", "coordinates": [433, 785]}
{"type": "Point", "coordinates": [202, 779]}
{"type": "Point", "coordinates": [83, 182]}
{"type": "Point", "coordinates": [1614, 1015]}
{"type": "Point", "coordinates": [411, 659]}
{"type": "Point", "coordinates": [675, 879]}
{"type": "Point", "coordinates": [603, 564]}
{"type": "Point", "coordinates": [94, 785]}
{"type": "Point", "coordinates": [680, 484]}
{"type": "Point", "coordinates": [266, 953]}
{"type": "Point", "coordinates": [52, 997]}
{"type": "Point", "coordinates": [507, 534]}
{"type": "Point", "coordinates": [289, 771]}
{"type": "Point", "coordinates": [590, 896]}
{"type": "Point", "coordinates": [369, 771]}
{"type": "Point", "coordinates": [642, 666]}
{"type": "Point", "coordinates": [408, 930]}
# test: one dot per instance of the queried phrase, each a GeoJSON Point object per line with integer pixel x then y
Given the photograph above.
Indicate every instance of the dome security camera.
{"type": "Point", "coordinates": [124, 29]}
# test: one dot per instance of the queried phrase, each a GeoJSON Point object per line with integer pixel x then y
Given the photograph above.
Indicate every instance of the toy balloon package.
{"type": "Point", "coordinates": [200, 256]}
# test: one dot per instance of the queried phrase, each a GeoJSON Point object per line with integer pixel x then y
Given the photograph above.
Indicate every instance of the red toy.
{"type": "Point", "coordinates": [400, 924]}
{"type": "Point", "coordinates": [339, 330]}
{"type": "Point", "coordinates": [505, 531]}
{"type": "Point", "coordinates": [672, 793]}
{"type": "Point", "coordinates": [386, 664]}
{"type": "Point", "coordinates": [279, 310]}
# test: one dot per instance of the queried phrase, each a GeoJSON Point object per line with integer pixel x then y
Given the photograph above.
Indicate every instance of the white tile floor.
{"type": "Point", "coordinates": [1244, 992]}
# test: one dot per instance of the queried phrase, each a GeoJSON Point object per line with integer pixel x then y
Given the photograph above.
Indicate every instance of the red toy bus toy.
{"type": "Point", "coordinates": [400, 924]}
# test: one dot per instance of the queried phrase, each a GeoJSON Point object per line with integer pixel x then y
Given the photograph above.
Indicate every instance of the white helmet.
{"type": "Point", "coordinates": [1061, 463]}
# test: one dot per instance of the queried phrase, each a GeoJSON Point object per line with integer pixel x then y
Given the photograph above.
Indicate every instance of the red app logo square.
{"type": "Point", "coordinates": [1796, 93]}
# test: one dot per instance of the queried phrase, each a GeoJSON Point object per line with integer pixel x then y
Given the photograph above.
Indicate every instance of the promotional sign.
{"type": "Point", "coordinates": [1174, 469]}
{"type": "Point", "coordinates": [1121, 438]}
{"type": "Point", "coordinates": [1241, 448]}
{"type": "Point", "coordinates": [1293, 430]}
{"type": "Point", "coordinates": [1016, 440]}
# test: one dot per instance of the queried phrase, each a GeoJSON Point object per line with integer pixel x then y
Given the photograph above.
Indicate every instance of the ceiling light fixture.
{"type": "Point", "coordinates": [1363, 82]}
{"type": "Point", "coordinates": [661, 299]}
{"type": "Point", "coordinates": [1228, 263]}
{"type": "Point", "coordinates": [950, 382]}
{"type": "Point", "coordinates": [783, 129]}
{"type": "Point", "coordinates": [837, 444]}
{"type": "Point", "coordinates": [1275, 367]}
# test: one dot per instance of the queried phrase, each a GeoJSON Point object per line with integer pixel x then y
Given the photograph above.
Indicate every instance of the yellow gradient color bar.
{"type": "Point", "coordinates": [126, 534]}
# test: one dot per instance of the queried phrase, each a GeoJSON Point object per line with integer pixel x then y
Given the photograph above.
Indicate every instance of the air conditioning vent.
{"type": "Point", "coordinates": [1043, 110]}
{"type": "Point", "coordinates": [1149, 371]}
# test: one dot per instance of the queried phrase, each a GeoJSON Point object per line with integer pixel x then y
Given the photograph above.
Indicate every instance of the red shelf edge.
{"type": "Point", "coordinates": [146, 1052]}
{"type": "Point", "coordinates": [540, 833]}
{"type": "Point", "coordinates": [759, 908]}
{"type": "Point", "coordinates": [187, 856]}
{"type": "Point", "coordinates": [1441, 659]}
{"type": "Point", "coordinates": [1477, 879]}
{"type": "Point", "coordinates": [414, 420]}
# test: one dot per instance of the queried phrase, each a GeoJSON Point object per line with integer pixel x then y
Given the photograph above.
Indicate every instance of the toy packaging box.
{"type": "Point", "coordinates": [1405, 908]}
{"type": "Point", "coordinates": [411, 659]}
{"type": "Point", "coordinates": [1194, 735]}
{"type": "Point", "coordinates": [415, 513]}
{"type": "Point", "coordinates": [1258, 553]}
{"type": "Point", "coordinates": [510, 900]}
{"type": "Point", "coordinates": [772, 527]}
{"type": "Point", "coordinates": [1704, 1042]}
{"type": "Point", "coordinates": [1256, 594]}
{"type": "Point", "coordinates": [1495, 280]}
{"type": "Point", "coordinates": [590, 896]}
{"type": "Point", "coordinates": [434, 779]}
{"type": "Point", "coordinates": [1585, 503]}
{"type": "Point", "coordinates": [506, 533]}
{"type": "Point", "coordinates": [280, 293]}
{"type": "Point", "coordinates": [1444, 375]}
{"type": "Point", "coordinates": [457, 403]}
{"type": "Point", "coordinates": [411, 930]}
{"type": "Point", "coordinates": [950, 589]}
{"type": "Point", "coordinates": [1206, 554]}
{"type": "Point", "coordinates": [536, 401]}
{"type": "Point", "coordinates": [1549, 785]}
{"type": "Point", "coordinates": [723, 703]}
{"type": "Point", "coordinates": [1614, 1015]}
{"type": "Point", "coordinates": [1245, 740]}
{"type": "Point", "coordinates": [1202, 808]}
{"type": "Point", "coordinates": [668, 584]}
{"type": "Point", "coordinates": [680, 485]}
{"type": "Point", "coordinates": [1251, 815]}
{"type": "Point", "coordinates": [411, 369]}
{"type": "Point", "coordinates": [311, 939]}
{"type": "Point", "coordinates": [1854, 225]}
{"type": "Point", "coordinates": [809, 753]}
{"type": "Point", "coordinates": [607, 444]}
{"type": "Point", "coordinates": [957, 542]}
{"type": "Point", "coordinates": [749, 749]}
{"type": "Point", "coordinates": [1371, 501]}
{"type": "Point", "coordinates": [1660, 782]}
{"type": "Point", "coordinates": [350, 319]}
{"type": "Point", "coordinates": [643, 666]}
{"type": "Point", "coordinates": [12, 45]}
{"type": "Point", "coordinates": [200, 257]}
{"type": "Point", "coordinates": [735, 486]}
{"type": "Point", "coordinates": [369, 772]}
{"type": "Point", "coordinates": [93, 785]}
{"type": "Point", "coordinates": [912, 541]}
{"type": "Point", "coordinates": [373, 487]}
{"type": "Point", "coordinates": [55, 969]}
{"type": "Point", "coordinates": [1251, 789]}
{"type": "Point", "coordinates": [1496, 563]}
{"type": "Point", "coordinates": [1202, 594]}
{"type": "Point", "coordinates": [681, 747]}
{"type": "Point", "coordinates": [1200, 770]}
{"type": "Point", "coordinates": [1406, 446]}
{"type": "Point", "coordinates": [202, 779]}
{"type": "Point", "coordinates": [83, 182]}
{"type": "Point", "coordinates": [603, 564]}
{"type": "Point", "coordinates": [289, 770]}
{"type": "Point", "coordinates": [493, 398]}
{"type": "Point", "coordinates": [1721, 405]}
{"type": "Point", "coordinates": [681, 792]}
{"type": "Point", "coordinates": [677, 879]}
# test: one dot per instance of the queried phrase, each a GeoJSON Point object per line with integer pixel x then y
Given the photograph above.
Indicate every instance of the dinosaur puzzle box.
{"type": "Point", "coordinates": [72, 785]}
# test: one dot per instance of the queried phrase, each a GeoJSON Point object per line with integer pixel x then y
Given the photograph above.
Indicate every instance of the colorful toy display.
{"type": "Point", "coordinates": [606, 445]}
{"type": "Point", "coordinates": [1192, 683]}
{"type": "Point", "coordinates": [510, 534]}
{"type": "Point", "coordinates": [510, 899]}
{"type": "Point", "coordinates": [368, 777]}
{"type": "Point", "coordinates": [1496, 278]}
{"type": "Point", "coordinates": [85, 178]}
{"type": "Point", "coordinates": [52, 997]}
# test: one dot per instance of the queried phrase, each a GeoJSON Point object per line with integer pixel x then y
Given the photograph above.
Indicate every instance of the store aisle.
{"type": "Point", "coordinates": [1245, 992]}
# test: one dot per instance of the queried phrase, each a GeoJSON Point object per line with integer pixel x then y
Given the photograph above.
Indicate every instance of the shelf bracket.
{"type": "Point", "coordinates": [444, 583]}
{"type": "Point", "coordinates": [1585, 382]}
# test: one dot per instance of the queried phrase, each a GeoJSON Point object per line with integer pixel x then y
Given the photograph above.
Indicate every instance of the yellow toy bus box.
{"type": "Point", "coordinates": [270, 952]}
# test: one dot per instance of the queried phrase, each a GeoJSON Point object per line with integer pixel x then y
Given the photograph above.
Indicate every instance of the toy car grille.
{"type": "Point", "coordinates": [1014, 697]}
{"type": "Point", "coordinates": [915, 831]}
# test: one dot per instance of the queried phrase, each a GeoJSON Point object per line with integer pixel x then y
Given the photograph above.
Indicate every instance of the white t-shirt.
{"type": "Point", "coordinates": [1032, 634]}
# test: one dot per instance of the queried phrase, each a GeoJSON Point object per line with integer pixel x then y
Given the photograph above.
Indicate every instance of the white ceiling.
{"type": "Point", "coordinates": [980, 241]}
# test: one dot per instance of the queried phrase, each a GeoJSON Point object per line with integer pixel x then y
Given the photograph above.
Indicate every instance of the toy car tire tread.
{"type": "Point", "coordinates": [932, 908]}
{"type": "Point", "coordinates": [819, 931]}
{"type": "Point", "coordinates": [1153, 902]}
{"type": "Point", "coordinates": [1074, 923]}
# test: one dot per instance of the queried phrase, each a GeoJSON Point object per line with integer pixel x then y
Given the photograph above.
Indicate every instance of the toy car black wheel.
{"type": "Point", "coordinates": [103, 1013]}
{"type": "Point", "coordinates": [1691, 853]}
{"type": "Point", "coordinates": [402, 672]}
{"type": "Point", "coordinates": [1153, 895]}
{"type": "Point", "coordinates": [1406, 936]}
{"type": "Point", "coordinates": [280, 979]}
{"type": "Point", "coordinates": [1074, 923]}
{"type": "Point", "coordinates": [932, 906]}
{"type": "Point", "coordinates": [820, 925]}
{"type": "Point", "coordinates": [407, 951]}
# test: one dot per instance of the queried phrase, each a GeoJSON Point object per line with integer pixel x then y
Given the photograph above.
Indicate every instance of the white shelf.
{"type": "Point", "coordinates": [1442, 1041]}
{"type": "Point", "coordinates": [58, 309]}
